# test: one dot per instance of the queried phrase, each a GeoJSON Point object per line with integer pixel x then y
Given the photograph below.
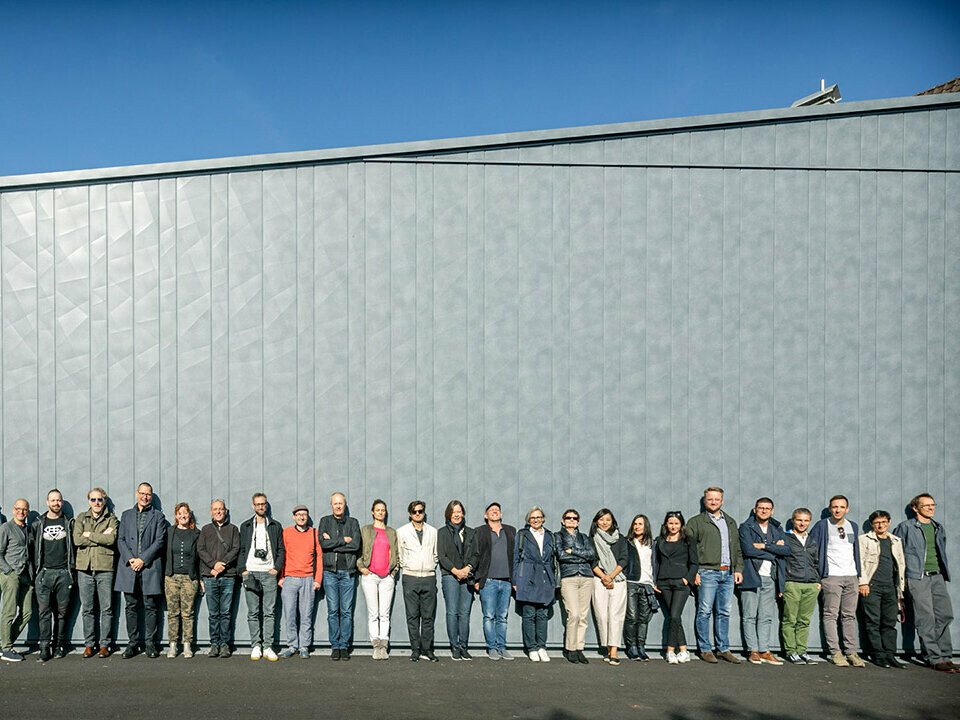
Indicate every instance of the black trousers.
{"type": "Point", "coordinates": [638, 616]}
{"type": "Point", "coordinates": [53, 598]}
{"type": "Point", "coordinates": [420, 605]}
{"type": "Point", "coordinates": [674, 595]}
{"type": "Point", "coordinates": [150, 604]}
{"type": "Point", "coordinates": [880, 618]}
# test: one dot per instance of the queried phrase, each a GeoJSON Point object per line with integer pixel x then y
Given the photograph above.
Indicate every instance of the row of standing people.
{"type": "Point", "coordinates": [625, 578]}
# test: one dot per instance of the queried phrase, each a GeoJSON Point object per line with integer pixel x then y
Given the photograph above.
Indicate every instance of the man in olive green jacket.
{"type": "Point", "coordinates": [721, 569]}
{"type": "Point", "coordinates": [95, 537]}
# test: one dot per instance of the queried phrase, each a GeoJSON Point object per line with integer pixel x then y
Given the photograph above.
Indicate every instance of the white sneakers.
{"type": "Point", "coordinates": [543, 655]}
{"type": "Point", "coordinates": [534, 656]}
{"type": "Point", "coordinates": [683, 656]}
{"type": "Point", "coordinates": [672, 658]}
{"type": "Point", "coordinates": [256, 652]}
{"type": "Point", "coordinates": [270, 655]}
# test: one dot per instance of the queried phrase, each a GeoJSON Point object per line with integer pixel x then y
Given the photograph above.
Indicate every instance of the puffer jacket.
{"type": "Point", "coordinates": [97, 553]}
{"type": "Point", "coordinates": [802, 565]}
{"type": "Point", "coordinates": [870, 558]}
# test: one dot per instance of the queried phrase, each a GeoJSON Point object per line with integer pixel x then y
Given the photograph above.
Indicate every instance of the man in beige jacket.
{"type": "Point", "coordinates": [882, 581]}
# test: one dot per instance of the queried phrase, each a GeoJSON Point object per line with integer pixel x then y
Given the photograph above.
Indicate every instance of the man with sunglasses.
{"type": "Point", "coordinates": [417, 548]}
{"type": "Point", "coordinates": [16, 579]}
{"type": "Point", "coordinates": [95, 537]}
{"type": "Point", "coordinates": [838, 544]}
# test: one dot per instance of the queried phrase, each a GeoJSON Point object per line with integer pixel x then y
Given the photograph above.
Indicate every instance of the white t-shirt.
{"type": "Point", "coordinates": [765, 565]}
{"type": "Point", "coordinates": [538, 536]}
{"type": "Point", "coordinates": [646, 561]}
{"type": "Point", "coordinates": [840, 562]}
{"type": "Point", "coordinates": [261, 540]}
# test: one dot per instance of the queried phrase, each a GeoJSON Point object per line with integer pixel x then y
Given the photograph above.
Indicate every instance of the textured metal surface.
{"type": "Point", "coordinates": [559, 324]}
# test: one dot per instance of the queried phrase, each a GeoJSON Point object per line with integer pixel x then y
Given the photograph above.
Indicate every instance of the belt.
{"type": "Point", "coordinates": [930, 573]}
{"type": "Point", "coordinates": [723, 567]}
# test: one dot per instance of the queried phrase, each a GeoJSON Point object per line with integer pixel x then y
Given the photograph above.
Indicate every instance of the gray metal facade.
{"type": "Point", "coordinates": [618, 315]}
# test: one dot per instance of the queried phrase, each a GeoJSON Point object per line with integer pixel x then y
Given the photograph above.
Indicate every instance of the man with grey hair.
{"type": "Point", "coordinates": [218, 548]}
{"type": "Point", "coordinates": [95, 537]}
{"type": "Point", "coordinates": [340, 544]}
{"type": "Point", "coordinates": [16, 579]}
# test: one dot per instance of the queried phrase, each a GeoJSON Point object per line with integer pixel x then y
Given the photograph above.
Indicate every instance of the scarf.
{"type": "Point", "coordinates": [457, 534]}
{"type": "Point", "coordinates": [603, 542]}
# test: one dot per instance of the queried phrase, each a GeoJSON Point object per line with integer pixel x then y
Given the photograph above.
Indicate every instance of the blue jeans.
{"type": "Point", "coordinates": [96, 586]}
{"type": "Point", "coordinates": [759, 616]}
{"type": "Point", "coordinates": [457, 600]}
{"type": "Point", "coordinates": [297, 593]}
{"type": "Point", "coordinates": [534, 625]}
{"type": "Point", "coordinates": [714, 598]}
{"type": "Point", "coordinates": [340, 587]}
{"type": "Point", "coordinates": [219, 594]}
{"type": "Point", "coordinates": [495, 602]}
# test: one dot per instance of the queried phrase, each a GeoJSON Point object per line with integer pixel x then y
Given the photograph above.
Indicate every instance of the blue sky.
{"type": "Point", "coordinates": [97, 84]}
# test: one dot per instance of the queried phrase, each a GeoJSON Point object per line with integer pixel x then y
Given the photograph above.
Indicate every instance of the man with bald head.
{"type": "Point", "coordinates": [218, 547]}
{"type": "Point", "coordinates": [340, 542]}
{"type": "Point", "coordinates": [16, 579]}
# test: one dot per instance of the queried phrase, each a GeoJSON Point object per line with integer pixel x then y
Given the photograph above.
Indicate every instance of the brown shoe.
{"type": "Point", "coordinates": [771, 659]}
{"type": "Point", "coordinates": [708, 657]}
{"type": "Point", "coordinates": [89, 652]}
{"type": "Point", "coordinates": [729, 657]}
{"type": "Point", "coordinates": [104, 652]}
{"type": "Point", "coordinates": [944, 667]}
{"type": "Point", "coordinates": [754, 657]}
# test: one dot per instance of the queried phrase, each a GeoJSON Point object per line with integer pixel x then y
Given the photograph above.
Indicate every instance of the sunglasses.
{"type": "Point", "coordinates": [98, 501]}
{"type": "Point", "coordinates": [419, 511]}
{"type": "Point", "coordinates": [571, 517]}
{"type": "Point", "coordinates": [842, 533]}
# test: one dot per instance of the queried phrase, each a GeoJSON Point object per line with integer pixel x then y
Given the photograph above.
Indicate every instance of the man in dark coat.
{"type": "Point", "coordinates": [141, 538]}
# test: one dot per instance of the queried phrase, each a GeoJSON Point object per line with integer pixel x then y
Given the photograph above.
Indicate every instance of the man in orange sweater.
{"type": "Point", "coordinates": [301, 578]}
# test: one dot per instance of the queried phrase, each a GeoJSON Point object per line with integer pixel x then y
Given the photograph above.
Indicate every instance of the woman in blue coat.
{"type": "Point", "coordinates": [535, 582]}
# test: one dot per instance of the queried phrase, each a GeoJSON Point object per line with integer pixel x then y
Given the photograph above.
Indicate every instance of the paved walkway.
{"type": "Point", "coordinates": [319, 688]}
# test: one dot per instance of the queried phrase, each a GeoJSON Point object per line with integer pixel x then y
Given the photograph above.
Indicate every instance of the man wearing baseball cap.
{"type": "Point", "coordinates": [302, 576]}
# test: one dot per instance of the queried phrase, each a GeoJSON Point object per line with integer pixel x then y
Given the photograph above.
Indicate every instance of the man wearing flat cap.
{"type": "Point", "coordinates": [302, 576]}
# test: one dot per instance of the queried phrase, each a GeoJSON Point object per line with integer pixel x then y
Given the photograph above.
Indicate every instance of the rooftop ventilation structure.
{"type": "Point", "coordinates": [826, 96]}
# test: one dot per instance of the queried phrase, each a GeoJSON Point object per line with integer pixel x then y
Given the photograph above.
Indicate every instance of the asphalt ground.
{"type": "Point", "coordinates": [317, 687]}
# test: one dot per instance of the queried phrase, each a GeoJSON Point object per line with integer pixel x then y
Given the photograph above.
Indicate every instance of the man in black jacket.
{"type": "Point", "coordinates": [259, 561]}
{"type": "Point", "coordinates": [218, 548]}
{"type": "Point", "coordinates": [494, 579]}
{"type": "Point", "coordinates": [340, 543]}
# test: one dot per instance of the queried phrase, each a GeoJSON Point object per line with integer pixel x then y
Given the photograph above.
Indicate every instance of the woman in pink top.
{"type": "Point", "coordinates": [378, 565]}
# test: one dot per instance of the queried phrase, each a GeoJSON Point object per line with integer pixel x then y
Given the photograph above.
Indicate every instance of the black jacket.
{"type": "Point", "coordinates": [803, 563]}
{"type": "Point", "coordinates": [632, 568]}
{"type": "Point", "coordinates": [336, 545]}
{"type": "Point", "coordinates": [193, 562]}
{"type": "Point", "coordinates": [211, 551]}
{"type": "Point", "coordinates": [36, 530]}
{"type": "Point", "coordinates": [274, 532]}
{"type": "Point", "coordinates": [581, 558]}
{"type": "Point", "coordinates": [449, 556]}
{"type": "Point", "coordinates": [621, 553]}
{"type": "Point", "coordinates": [682, 565]}
{"type": "Point", "coordinates": [483, 551]}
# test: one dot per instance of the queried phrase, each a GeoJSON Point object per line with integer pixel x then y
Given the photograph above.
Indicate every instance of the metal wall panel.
{"type": "Point", "coordinates": [568, 324]}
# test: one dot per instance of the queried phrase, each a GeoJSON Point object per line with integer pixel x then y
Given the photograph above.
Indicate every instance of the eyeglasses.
{"type": "Point", "coordinates": [259, 504]}
{"type": "Point", "coordinates": [536, 517]}
{"type": "Point", "coordinates": [97, 500]}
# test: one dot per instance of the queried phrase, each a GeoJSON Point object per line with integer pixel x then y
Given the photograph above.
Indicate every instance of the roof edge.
{"type": "Point", "coordinates": [420, 147]}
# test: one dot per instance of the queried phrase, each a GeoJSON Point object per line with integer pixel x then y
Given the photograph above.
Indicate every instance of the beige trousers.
{"type": "Point", "coordinates": [575, 593]}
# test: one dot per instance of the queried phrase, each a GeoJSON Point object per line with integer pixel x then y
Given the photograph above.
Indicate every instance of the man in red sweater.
{"type": "Point", "coordinates": [301, 578]}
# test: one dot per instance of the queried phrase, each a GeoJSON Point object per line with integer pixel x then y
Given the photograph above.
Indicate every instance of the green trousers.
{"type": "Point", "coordinates": [799, 602]}
{"type": "Point", "coordinates": [17, 599]}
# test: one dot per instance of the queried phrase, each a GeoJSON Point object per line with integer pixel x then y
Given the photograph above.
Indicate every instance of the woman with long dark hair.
{"type": "Point", "coordinates": [457, 556]}
{"type": "Point", "coordinates": [609, 583]}
{"type": "Point", "coordinates": [675, 568]}
{"type": "Point", "coordinates": [641, 598]}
